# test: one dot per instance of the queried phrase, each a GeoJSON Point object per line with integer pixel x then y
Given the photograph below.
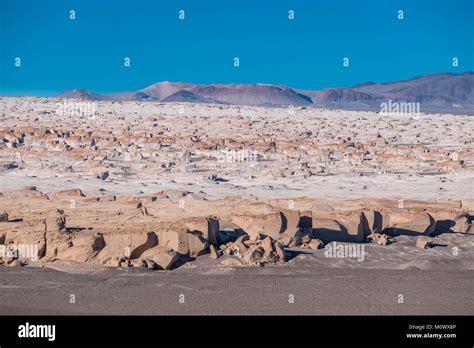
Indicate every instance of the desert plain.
{"type": "Point", "coordinates": [179, 208]}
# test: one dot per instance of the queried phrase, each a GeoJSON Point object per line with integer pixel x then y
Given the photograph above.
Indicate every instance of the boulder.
{"type": "Point", "coordinates": [164, 257]}
{"type": "Point", "coordinates": [31, 244]}
{"type": "Point", "coordinates": [267, 246]}
{"type": "Point", "coordinates": [137, 263]}
{"type": "Point", "coordinates": [124, 263]}
{"type": "Point", "coordinates": [349, 228]}
{"type": "Point", "coordinates": [120, 245]}
{"type": "Point", "coordinates": [150, 241]}
{"type": "Point", "coordinates": [290, 221]}
{"type": "Point", "coordinates": [315, 244]}
{"type": "Point", "coordinates": [175, 238]}
{"type": "Point", "coordinates": [198, 245]}
{"type": "Point", "coordinates": [16, 262]}
{"type": "Point", "coordinates": [103, 175]}
{"type": "Point", "coordinates": [463, 223]}
{"type": "Point", "coordinates": [240, 246]}
{"type": "Point", "coordinates": [280, 251]}
{"type": "Point", "coordinates": [83, 249]}
{"type": "Point", "coordinates": [266, 224]}
{"type": "Point", "coordinates": [213, 230]}
{"type": "Point", "coordinates": [300, 238]}
{"type": "Point", "coordinates": [381, 239]}
{"type": "Point", "coordinates": [271, 257]}
{"type": "Point", "coordinates": [423, 243]}
{"type": "Point", "coordinates": [150, 264]}
{"type": "Point", "coordinates": [253, 254]}
{"type": "Point", "coordinates": [411, 223]}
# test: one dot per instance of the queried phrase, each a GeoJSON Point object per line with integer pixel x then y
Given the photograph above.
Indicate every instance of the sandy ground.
{"type": "Point", "coordinates": [103, 181]}
{"type": "Point", "coordinates": [320, 291]}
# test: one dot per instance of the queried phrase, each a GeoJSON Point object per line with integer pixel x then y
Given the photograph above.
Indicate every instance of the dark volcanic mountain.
{"type": "Point", "coordinates": [437, 92]}
{"type": "Point", "coordinates": [253, 95]}
{"type": "Point", "coordinates": [185, 96]}
{"type": "Point", "coordinates": [438, 89]}
{"type": "Point", "coordinates": [83, 94]}
{"type": "Point", "coordinates": [235, 94]}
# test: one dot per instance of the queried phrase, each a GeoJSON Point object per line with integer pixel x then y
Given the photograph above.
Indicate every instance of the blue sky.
{"type": "Point", "coordinates": [59, 54]}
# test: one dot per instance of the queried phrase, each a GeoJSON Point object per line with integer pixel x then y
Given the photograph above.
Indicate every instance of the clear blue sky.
{"type": "Point", "coordinates": [59, 54]}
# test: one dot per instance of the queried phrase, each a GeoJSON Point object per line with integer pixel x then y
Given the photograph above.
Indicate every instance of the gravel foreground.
{"type": "Point", "coordinates": [315, 291]}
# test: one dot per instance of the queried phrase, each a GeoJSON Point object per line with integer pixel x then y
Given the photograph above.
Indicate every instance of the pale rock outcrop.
{"type": "Point", "coordinates": [34, 240]}
{"type": "Point", "coordinates": [349, 227]}
{"type": "Point", "coordinates": [463, 223]}
{"type": "Point", "coordinates": [411, 222]}
{"type": "Point", "coordinates": [138, 246]}
{"type": "Point", "coordinates": [185, 242]}
{"type": "Point", "coordinates": [164, 257]}
{"type": "Point", "coordinates": [176, 238]}
{"type": "Point", "coordinates": [82, 248]}
{"type": "Point", "coordinates": [119, 246]}
{"type": "Point", "coordinates": [198, 245]}
{"type": "Point", "coordinates": [290, 222]}
{"type": "Point", "coordinates": [268, 224]}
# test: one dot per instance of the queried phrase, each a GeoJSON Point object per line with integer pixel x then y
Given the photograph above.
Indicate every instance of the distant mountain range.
{"type": "Point", "coordinates": [436, 92]}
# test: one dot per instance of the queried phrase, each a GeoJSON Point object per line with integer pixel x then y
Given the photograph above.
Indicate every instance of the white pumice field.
{"type": "Point", "coordinates": [112, 188]}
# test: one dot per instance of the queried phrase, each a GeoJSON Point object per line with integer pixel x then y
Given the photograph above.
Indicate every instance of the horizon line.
{"type": "Point", "coordinates": [54, 94]}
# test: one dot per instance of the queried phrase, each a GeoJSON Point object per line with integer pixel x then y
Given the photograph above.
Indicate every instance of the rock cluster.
{"type": "Point", "coordinates": [381, 239]}
{"type": "Point", "coordinates": [112, 231]}
{"type": "Point", "coordinates": [259, 251]}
